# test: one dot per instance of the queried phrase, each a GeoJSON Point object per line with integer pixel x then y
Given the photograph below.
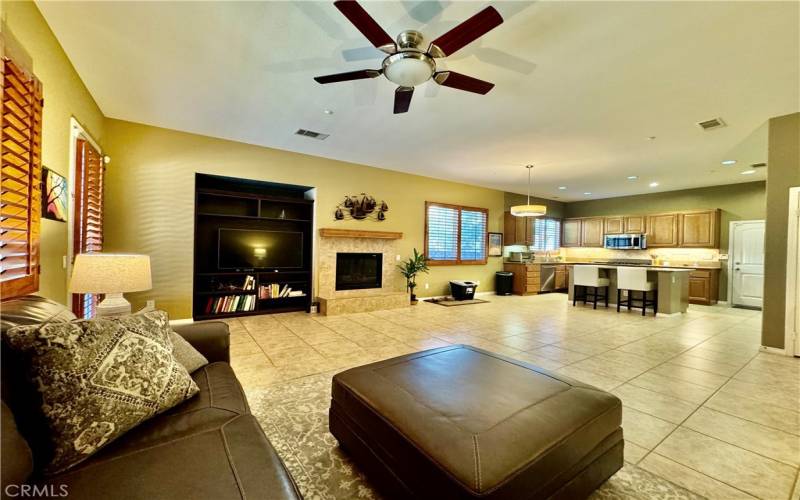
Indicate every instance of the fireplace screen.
{"type": "Point", "coordinates": [355, 271]}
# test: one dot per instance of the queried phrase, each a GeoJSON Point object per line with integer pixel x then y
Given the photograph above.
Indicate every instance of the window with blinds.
{"type": "Point", "coordinates": [88, 215]}
{"type": "Point", "coordinates": [20, 196]}
{"type": "Point", "coordinates": [546, 234]}
{"type": "Point", "coordinates": [455, 234]}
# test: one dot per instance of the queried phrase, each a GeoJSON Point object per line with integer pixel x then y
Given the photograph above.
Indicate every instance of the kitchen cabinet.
{"type": "Point", "coordinates": [592, 232]}
{"type": "Point", "coordinates": [704, 286]}
{"type": "Point", "coordinates": [571, 232]}
{"type": "Point", "coordinates": [527, 277]}
{"type": "Point", "coordinates": [561, 277]}
{"type": "Point", "coordinates": [699, 229]}
{"type": "Point", "coordinates": [662, 230]}
{"type": "Point", "coordinates": [615, 225]}
{"type": "Point", "coordinates": [517, 230]}
{"type": "Point", "coordinates": [635, 224]}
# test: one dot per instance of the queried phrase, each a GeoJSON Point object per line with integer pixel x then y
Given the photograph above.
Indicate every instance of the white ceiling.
{"type": "Point", "coordinates": [580, 86]}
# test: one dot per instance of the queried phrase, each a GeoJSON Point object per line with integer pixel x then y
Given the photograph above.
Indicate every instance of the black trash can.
{"type": "Point", "coordinates": [503, 283]}
{"type": "Point", "coordinates": [463, 290]}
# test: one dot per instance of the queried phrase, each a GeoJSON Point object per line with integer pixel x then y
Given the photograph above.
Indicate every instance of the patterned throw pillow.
{"type": "Point", "coordinates": [100, 378]}
{"type": "Point", "coordinates": [186, 354]}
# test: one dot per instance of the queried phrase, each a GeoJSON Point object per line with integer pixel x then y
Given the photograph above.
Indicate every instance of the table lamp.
{"type": "Point", "coordinates": [112, 275]}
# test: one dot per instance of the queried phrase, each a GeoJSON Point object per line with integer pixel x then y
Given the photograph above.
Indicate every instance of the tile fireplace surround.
{"type": "Point", "coordinates": [389, 296]}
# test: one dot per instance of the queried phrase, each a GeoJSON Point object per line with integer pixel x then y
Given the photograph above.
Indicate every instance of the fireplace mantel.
{"type": "Point", "coordinates": [358, 233]}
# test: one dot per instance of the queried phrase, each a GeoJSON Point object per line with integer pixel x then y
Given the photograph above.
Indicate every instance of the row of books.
{"type": "Point", "coordinates": [249, 283]}
{"type": "Point", "coordinates": [230, 303]}
{"type": "Point", "coordinates": [276, 291]}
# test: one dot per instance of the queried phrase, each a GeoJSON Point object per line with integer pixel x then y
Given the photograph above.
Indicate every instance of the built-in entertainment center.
{"type": "Point", "coordinates": [252, 247]}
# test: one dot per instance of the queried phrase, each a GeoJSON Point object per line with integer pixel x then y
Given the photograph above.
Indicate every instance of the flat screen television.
{"type": "Point", "coordinates": [248, 249]}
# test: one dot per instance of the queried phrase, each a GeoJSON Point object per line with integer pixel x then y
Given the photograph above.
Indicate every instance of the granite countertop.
{"type": "Point", "coordinates": [654, 267]}
{"type": "Point", "coordinates": [661, 269]}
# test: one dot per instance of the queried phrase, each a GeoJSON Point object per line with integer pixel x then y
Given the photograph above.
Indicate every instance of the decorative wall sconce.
{"type": "Point", "coordinates": [361, 207]}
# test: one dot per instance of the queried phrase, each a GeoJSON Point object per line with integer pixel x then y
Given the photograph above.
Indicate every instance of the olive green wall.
{"type": "Point", "coordinates": [783, 172]}
{"type": "Point", "coordinates": [150, 202]}
{"type": "Point", "coordinates": [554, 208]}
{"type": "Point", "coordinates": [28, 39]}
{"type": "Point", "coordinates": [745, 201]}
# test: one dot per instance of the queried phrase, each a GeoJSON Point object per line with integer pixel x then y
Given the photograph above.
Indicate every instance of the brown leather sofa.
{"type": "Point", "coordinates": [207, 447]}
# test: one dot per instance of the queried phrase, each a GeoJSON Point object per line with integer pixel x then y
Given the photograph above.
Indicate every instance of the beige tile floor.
{"type": "Point", "coordinates": [703, 407]}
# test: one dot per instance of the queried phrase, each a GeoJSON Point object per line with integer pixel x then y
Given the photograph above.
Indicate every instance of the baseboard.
{"type": "Point", "coordinates": [773, 350]}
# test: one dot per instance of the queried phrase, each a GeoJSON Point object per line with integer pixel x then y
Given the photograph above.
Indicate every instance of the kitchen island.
{"type": "Point", "coordinates": [672, 284]}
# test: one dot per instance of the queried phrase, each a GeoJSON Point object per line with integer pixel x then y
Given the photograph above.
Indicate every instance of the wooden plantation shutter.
{"type": "Point", "coordinates": [546, 234]}
{"type": "Point", "coordinates": [441, 232]}
{"type": "Point", "coordinates": [20, 178]}
{"type": "Point", "coordinates": [455, 234]}
{"type": "Point", "coordinates": [88, 217]}
{"type": "Point", "coordinates": [473, 236]}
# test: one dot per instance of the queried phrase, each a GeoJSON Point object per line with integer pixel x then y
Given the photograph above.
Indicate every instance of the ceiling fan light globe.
{"type": "Point", "coordinates": [408, 71]}
{"type": "Point", "coordinates": [528, 210]}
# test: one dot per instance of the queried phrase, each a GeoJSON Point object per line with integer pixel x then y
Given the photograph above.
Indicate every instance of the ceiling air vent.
{"type": "Point", "coordinates": [312, 134]}
{"type": "Point", "coordinates": [711, 124]}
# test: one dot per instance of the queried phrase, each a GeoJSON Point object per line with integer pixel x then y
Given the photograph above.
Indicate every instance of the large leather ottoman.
{"type": "Point", "coordinates": [461, 422]}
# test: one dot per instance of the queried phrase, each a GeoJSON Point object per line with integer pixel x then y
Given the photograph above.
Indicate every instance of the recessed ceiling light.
{"type": "Point", "coordinates": [653, 184]}
{"type": "Point", "coordinates": [651, 138]}
{"type": "Point", "coordinates": [748, 172]}
{"type": "Point", "coordinates": [328, 111]}
{"type": "Point", "coordinates": [562, 188]}
{"type": "Point", "coordinates": [633, 177]}
{"type": "Point", "coordinates": [728, 162]}
{"type": "Point", "coordinates": [587, 193]}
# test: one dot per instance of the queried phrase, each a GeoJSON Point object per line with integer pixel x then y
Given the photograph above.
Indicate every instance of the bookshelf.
{"type": "Point", "coordinates": [241, 204]}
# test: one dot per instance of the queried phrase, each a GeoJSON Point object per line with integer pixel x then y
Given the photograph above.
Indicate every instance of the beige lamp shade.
{"type": "Point", "coordinates": [110, 273]}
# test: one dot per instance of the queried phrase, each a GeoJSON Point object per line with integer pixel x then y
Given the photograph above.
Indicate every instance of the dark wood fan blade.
{"type": "Point", "coordinates": [466, 32]}
{"type": "Point", "coordinates": [350, 75]}
{"type": "Point", "coordinates": [356, 14]}
{"type": "Point", "coordinates": [462, 82]}
{"type": "Point", "coordinates": [402, 99]}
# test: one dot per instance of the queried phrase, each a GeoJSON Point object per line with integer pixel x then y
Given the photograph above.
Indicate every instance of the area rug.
{"type": "Point", "coordinates": [294, 416]}
{"type": "Point", "coordinates": [448, 302]}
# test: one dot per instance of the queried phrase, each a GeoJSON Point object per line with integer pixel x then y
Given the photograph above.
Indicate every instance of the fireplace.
{"type": "Point", "coordinates": [355, 271]}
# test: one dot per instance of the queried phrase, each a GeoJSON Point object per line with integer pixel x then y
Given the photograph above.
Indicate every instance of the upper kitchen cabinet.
{"type": "Point", "coordinates": [571, 232]}
{"type": "Point", "coordinates": [615, 225]}
{"type": "Point", "coordinates": [662, 230]}
{"type": "Point", "coordinates": [517, 230]}
{"type": "Point", "coordinates": [699, 229]}
{"type": "Point", "coordinates": [635, 224]}
{"type": "Point", "coordinates": [592, 232]}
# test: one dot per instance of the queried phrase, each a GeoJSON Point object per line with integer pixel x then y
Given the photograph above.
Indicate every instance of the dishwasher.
{"type": "Point", "coordinates": [548, 278]}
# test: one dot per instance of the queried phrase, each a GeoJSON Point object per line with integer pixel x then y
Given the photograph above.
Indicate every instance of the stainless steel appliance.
{"type": "Point", "coordinates": [625, 241]}
{"type": "Point", "coordinates": [520, 257]}
{"type": "Point", "coordinates": [548, 279]}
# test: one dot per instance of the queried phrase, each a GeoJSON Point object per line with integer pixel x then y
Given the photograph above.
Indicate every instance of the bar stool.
{"type": "Point", "coordinates": [635, 280]}
{"type": "Point", "coordinates": [589, 277]}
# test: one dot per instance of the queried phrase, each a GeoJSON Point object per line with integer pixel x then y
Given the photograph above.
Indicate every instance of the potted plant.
{"type": "Point", "coordinates": [409, 270]}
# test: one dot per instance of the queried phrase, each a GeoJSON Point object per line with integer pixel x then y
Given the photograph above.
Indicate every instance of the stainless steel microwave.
{"type": "Point", "coordinates": [625, 241]}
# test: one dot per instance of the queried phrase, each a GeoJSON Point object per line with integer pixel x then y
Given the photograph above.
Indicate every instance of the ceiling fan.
{"type": "Point", "coordinates": [407, 64]}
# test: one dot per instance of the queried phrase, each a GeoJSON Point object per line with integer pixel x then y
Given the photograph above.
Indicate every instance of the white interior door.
{"type": "Point", "coordinates": [747, 256]}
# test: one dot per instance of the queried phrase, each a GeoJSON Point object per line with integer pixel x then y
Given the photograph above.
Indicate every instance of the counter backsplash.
{"type": "Point", "coordinates": [673, 255]}
{"type": "Point", "coordinates": [704, 256]}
